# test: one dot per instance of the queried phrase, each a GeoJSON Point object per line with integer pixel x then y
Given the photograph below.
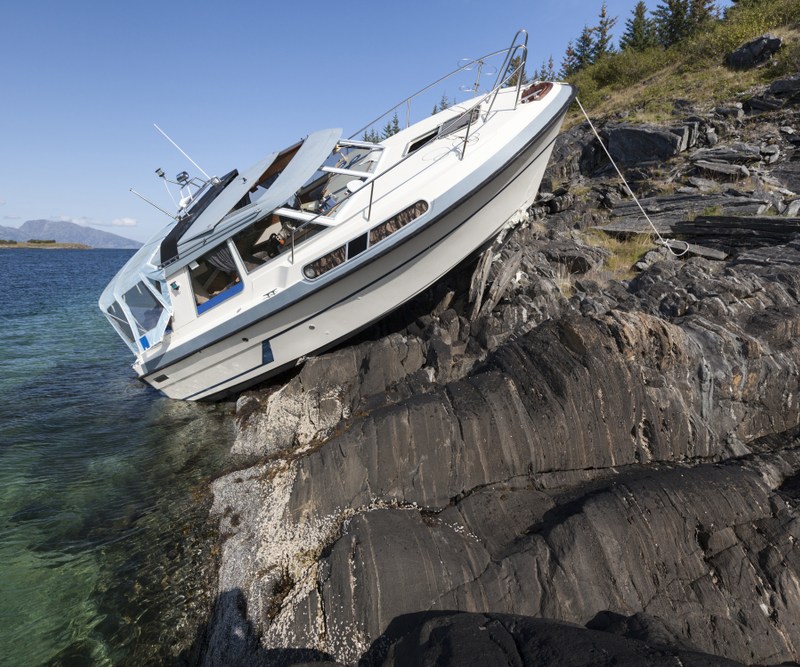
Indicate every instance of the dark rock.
{"type": "Point", "coordinates": [785, 87]}
{"type": "Point", "coordinates": [725, 168]}
{"type": "Point", "coordinates": [754, 53]}
{"type": "Point", "coordinates": [733, 111]}
{"type": "Point", "coordinates": [577, 258]}
{"type": "Point", "coordinates": [737, 153]}
{"type": "Point", "coordinates": [545, 449]}
{"type": "Point", "coordinates": [763, 103]}
{"type": "Point", "coordinates": [453, 639]}
{"type": "Point", "coordinates": [788, 173]}
{"type": "Point", "coordinates": [634, 144]}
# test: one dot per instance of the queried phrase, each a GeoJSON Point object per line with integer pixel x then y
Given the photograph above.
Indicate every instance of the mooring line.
{"type": "Point", "coordinates": [661, 239]}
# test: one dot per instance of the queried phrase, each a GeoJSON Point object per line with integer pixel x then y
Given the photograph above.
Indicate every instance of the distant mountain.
{"type": "Point", "coordinates": [11, 234]}
{"type": "Point", "coordinates": [66, 232]}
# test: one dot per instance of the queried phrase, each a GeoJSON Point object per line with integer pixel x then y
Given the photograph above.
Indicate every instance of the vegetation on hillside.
{"type": "Point", "coordinates": [648, 73]}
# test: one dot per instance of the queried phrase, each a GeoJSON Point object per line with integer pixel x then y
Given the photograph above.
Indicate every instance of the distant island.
{"type": "Point", "coordinates": [45, 244]}
{"type": "Point", "coordinates": [63, 234]}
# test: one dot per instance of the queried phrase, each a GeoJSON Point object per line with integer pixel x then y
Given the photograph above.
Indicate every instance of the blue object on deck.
{"type": "Point", "coordinates": [144, 342]}
{"type": "Point", "coordinates": [219, 298]}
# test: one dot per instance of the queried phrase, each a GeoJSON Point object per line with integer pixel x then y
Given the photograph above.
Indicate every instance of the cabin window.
{"type": "Point", "coordinates": [448, 127]}
{"type": "Point", "coordinates": [270, 237]}
{"type": "Point", "coordinates": [261, 242]}
{"type": "Point", "coordinates": [144, 307]}
{"type": "Point", "coordinates": [215, 278]}
{"type": "Point", "coordinates": [397, 222]}
{"type": "Point", "coordinates": [458, 122]}
{"type": "Point", "coordinates": [422, 141]}
{"type": "Point", "coordinates": [355, 158]}
{"type": "Point", "coordinates": [325, 263]}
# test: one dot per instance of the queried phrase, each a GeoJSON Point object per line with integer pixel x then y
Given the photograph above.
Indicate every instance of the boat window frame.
{"type": "Point", "coordinates": [227, 292]}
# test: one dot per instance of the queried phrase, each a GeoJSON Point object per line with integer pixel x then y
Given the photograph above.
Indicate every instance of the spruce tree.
{"type": "Point", "coordinates": [702, 11]}
{"type": "Point", "coordinates": [585, 47]}
{"type": "Point", "coordinates": [672, 21]}
{"type": "Point", "coordinates": [602, 34]}
{"type": "Point", "coordinates": [392, 127]}
{"type": "Point", "coordinates": [548, 71]}
{"type": "Point", "coordinates": [569, 64]}
{"type": "Point", "coordinates": [640, 31]}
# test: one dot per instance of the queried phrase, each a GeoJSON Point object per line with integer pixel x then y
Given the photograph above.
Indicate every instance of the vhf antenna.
{"type": "Point", "coordinates": [166, 136]}
{"type": "Point", "coordinates": [169, 215]}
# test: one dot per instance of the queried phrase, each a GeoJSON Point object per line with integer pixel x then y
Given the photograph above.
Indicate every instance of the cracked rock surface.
{"type": "Point", "coordinates": [511, 472]}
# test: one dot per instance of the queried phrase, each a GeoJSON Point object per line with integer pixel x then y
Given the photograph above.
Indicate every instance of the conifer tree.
{"type": "Point", "coordinates": [569, 64]}
{"type": "Point", "coordinates": [602, 34]}
{"type": "Point", "coordinates": [391, 127]}
{"type": "Point", "coordinates": [548, 71]}
{"type": "Point", "coordinates": [640, 31]}
{"type": "Point", "coordinates": [672, 21]}
{"type": "Point", "coordinates": [372, 136]}
{"type": "Point", "coordinates": [701, 11]}
{"type": "Point", "coordinates": [585, 47]}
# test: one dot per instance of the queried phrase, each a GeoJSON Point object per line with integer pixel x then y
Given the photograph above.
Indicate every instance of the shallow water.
{"type": "Point", "coordinates": [104, 542]}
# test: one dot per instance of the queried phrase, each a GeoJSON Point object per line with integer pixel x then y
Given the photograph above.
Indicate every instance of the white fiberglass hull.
{"type": "Point", "coordinates": [341, 307]}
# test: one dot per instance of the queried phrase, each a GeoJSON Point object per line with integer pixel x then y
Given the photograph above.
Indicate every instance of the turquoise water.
{"type": "Point", "coordinates": [105, 548]}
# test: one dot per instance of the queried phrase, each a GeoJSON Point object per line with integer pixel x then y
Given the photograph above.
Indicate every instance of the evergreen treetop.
{"type": "Point", "coordinates": [640, 31]}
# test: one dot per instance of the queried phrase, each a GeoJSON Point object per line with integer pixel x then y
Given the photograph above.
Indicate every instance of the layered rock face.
{"type": "Point", "coordinates": [547, 466]}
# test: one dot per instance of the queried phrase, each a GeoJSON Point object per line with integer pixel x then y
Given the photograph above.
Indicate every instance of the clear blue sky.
{"type": "Point", "coordinates": [83, 82]}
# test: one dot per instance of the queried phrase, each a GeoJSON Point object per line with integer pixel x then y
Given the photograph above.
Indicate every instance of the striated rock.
{"type": "Point", "coordinates": [736, 152]}
{"type": "Point", "coordinates": [587, 468]}
{"type": "Point", "coordinates": [570, 402]}
{"type": "Point", "coordinates": [725, 168]}
{"type": "Point", "coordinates": [634, 144]}
{"type": "Point", "coordinates": [504, 639]}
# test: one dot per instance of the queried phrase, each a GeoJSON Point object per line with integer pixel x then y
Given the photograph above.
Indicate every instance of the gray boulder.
{"type": "Point", "coordinates": [754, 53]}
{"type": "Point", "coordinates": [637, 144]}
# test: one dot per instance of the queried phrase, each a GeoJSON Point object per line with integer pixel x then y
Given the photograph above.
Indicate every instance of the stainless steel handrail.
{"type": "Point", "coordinates": [408, 99]}
{"type": "Point", "coordinates": [510, 56]}
{"type": "Point", "coordinates": [502, 78]}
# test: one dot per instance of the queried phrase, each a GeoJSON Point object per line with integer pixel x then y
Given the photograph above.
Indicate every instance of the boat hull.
{"type": "Point", "coordinates": [346, 305]}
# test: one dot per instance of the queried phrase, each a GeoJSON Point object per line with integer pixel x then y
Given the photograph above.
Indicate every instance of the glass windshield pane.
{"type": "Point", "coordinates": [144, 307]}
{"type": "Point", "coordinates": [118, 317]}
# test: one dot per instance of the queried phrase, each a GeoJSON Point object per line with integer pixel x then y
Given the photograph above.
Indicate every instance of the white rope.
{"type": "Point", "coordinates": [661, 239]}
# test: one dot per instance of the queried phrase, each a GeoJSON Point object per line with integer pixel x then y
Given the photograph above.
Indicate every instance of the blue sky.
{"type": "Point", "coordinates": [84, 81]}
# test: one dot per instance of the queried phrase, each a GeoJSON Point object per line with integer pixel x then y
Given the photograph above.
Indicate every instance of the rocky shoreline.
{"type": "Point", "coordinates": [538, 462]}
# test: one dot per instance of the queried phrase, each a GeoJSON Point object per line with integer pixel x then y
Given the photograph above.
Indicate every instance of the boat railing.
{"type": "Point", "coordinates": [503, 76]}
{"type": "Point", "coordinates": [510, 71]}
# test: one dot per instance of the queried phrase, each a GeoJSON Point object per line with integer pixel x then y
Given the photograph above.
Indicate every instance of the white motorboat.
{"type": "Point", "coordinates": [263, 268]}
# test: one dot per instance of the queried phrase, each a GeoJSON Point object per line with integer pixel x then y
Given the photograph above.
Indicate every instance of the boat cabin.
{"type": "Point", "coordinates": [231, 228]}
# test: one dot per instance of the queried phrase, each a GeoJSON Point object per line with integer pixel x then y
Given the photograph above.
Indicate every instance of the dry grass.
{"type": "Point", "coordinates": [625, 252]}
{"type": "Point", "coordinates": [644, 85]}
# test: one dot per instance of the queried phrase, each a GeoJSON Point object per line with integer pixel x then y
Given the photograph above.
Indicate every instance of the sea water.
{"type": "Point", "coordinates": [105, 545]}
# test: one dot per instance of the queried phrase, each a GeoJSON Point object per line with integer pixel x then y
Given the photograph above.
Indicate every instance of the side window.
{"type": "Point", "coordinates": [261, 242]}
{"type": "Point", "coordinates": [271, 237]}
{"type": "Point", "coordinates": [396, 222]}
{"type": "Point", "coordinates": [325, 263]}
{"type": "Point", "coordinates": [214, 278]}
